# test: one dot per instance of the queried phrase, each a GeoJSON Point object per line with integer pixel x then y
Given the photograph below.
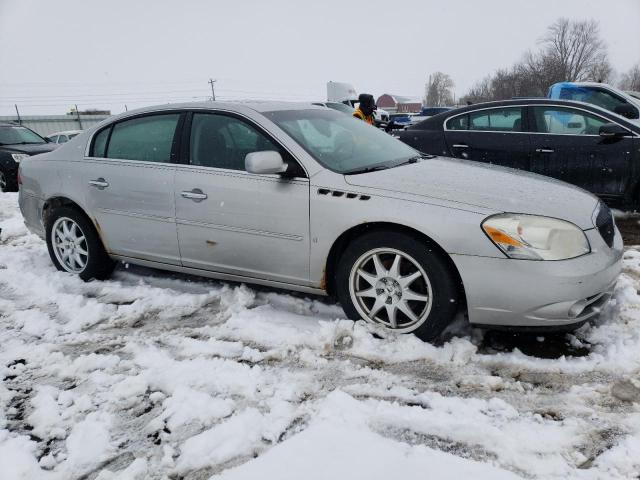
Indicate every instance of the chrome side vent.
{"type": "Point", "coordinates": [339, 193]}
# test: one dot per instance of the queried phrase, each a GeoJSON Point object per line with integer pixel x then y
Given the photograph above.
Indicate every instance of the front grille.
{"type": "Point", "coordinates": [605, 224]}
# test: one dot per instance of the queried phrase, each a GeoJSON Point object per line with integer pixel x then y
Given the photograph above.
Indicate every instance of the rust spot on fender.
{"type": "Point", "coordinates": [99, 231]}
{"type": "Point", "coordinates": [323, 279]}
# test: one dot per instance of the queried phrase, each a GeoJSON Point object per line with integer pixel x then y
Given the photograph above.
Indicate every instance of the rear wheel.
{"type": "Point", "coordinates": [74, 245]}
{"type": "Point", "coordinates": [398, 282]}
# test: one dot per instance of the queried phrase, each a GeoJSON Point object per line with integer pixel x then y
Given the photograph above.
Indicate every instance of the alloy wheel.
{"type": "Point", "coordinates": [70, 245]}
{"type": "Point", "coordinates": [390, 288]}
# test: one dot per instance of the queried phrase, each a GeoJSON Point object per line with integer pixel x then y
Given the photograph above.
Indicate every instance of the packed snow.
{"type": "Point", "coordinates": [157, 375]}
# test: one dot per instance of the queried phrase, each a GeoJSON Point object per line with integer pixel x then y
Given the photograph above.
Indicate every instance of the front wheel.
{"type": "Point", "coordinates": [74, 245]}
{"type": "Point", "coordinates": [398, 282]}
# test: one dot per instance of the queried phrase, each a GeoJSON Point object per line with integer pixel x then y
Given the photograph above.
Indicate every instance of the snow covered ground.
{"type": "Point", "coordinates": [153, 375]}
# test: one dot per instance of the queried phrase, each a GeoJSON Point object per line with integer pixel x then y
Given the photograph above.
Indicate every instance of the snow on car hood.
{"type": "Point", "coordinates": [484, 185]}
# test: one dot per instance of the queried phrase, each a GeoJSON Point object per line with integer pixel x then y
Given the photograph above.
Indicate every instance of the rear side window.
{"type": "Point", "coordinates": [497, 120]}
{"type": "Point", "coordinates": [148, 139]}
{"type": "Point", "coordinates": [100, 143]}
{"type": "Point", "coordinates": [460, 122]}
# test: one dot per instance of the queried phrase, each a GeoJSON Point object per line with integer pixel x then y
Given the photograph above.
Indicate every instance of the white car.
{"type": "Point", "coordinates": [63, 137]}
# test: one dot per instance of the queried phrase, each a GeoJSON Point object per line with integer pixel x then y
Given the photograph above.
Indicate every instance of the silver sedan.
{"type": "Point", "coordinates": [308, 199]}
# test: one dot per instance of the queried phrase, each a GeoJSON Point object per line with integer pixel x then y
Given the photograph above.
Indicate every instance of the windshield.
{"type": "Point", "coordinates": [18, 135]}
{"type": "Point", "coordinates": [339, 142]}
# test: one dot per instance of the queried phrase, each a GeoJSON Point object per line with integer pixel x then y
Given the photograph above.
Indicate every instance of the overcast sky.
{"type": "Point", "coordinates": [115, 52]}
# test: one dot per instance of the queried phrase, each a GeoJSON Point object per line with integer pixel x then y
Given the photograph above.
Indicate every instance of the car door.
{"type": "Point", "coordinates": [493, 135]}
{"type": "Point", "coordinates": [566, 145]}
{"type": "Point", "coordinates": [129, 181]}
{"type": "Point", "coordinates": [236, 222]}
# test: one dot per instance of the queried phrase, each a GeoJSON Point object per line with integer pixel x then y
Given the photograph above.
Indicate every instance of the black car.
{"type": "Point", "coordinates": [17, 142]}
{"type": "Point", "coordinates": [571, 141]}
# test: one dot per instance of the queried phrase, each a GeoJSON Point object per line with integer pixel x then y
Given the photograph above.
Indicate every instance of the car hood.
{"type": "Point", "coordinates": [487, 186]}
{"type": "Point", "coordinates": [31, 149]}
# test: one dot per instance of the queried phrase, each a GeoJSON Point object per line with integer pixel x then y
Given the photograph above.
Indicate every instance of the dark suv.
{"type": "Point", "coordinates": [16, 143]}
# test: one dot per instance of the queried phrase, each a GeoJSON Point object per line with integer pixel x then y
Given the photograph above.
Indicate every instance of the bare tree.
{"type": "Point", "coordinates": [631, 79]}
{"type": "Point", "coordinates": [439, 90]}
{"type": "Point", "coordinates": [570, 51]}
{"type": "Point", "coordinates": [480, 92]}
{"type": "Point", "coordinates": [575, 50]}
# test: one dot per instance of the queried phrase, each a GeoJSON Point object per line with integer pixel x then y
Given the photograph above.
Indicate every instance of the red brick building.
{"type": "Point", "coordinates": [399, 104]}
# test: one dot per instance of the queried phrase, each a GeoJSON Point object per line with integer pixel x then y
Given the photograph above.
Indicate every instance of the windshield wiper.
{"type": "Point", "coordinates": [414, 159]}
{"type": "Point", "coordinates": [366, 169]}
{"type": "Point", "coordinates": [28, 143]}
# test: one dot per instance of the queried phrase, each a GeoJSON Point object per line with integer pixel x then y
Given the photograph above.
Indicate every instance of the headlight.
{"type": "Point", "coordinates": [18, 157]}
{"type": "Point", "coordinates": [530, 237]}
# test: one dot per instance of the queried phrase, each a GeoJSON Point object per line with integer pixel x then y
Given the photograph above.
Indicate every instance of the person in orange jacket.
{"type": "Point", "coordinates": [366, 107]}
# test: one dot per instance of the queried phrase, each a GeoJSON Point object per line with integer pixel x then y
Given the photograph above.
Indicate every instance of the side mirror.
{"type": "Point", "coordinates": [264, 162]}
{"type": "Point", "coordinates": [612, 130]}
{"type": "Point", "coordinates": [627, 110]}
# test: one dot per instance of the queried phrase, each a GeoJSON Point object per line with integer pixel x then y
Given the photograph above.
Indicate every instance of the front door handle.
{"type": "Point", "coordinates": [99, 183]}
{"type": "Point", "coordinates": [460, 145]}
{"type": "Point", "coordinates": [196, 195]}
{"type": "Point", "coordinates": [544, 150]}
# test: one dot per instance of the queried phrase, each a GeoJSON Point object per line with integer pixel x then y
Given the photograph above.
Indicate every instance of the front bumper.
{"type": "Point", "coordinates": [524, 293]}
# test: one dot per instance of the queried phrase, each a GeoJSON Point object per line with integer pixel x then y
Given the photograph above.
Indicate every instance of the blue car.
{"type": "Point", "coordinates": [599, 94]}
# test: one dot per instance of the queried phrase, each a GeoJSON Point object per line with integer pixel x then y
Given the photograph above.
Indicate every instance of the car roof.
{"type": "Point", "coordinates": [584, 84]}
{"type": "Point", "coordinates": [437, 119]}
{"type": "Point", "coordinates": [66, 132]}
{"type": "Point", "coordinates": [257, 105]}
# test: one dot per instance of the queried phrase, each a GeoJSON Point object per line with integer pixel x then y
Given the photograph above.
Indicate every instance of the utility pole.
{"type": "Point", "coordinates": [213, 92]}
{"type": "Point", "coordinates": [78, 117]}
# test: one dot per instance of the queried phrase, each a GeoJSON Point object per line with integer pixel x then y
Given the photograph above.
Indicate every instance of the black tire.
{"type": "Point", "coordinates": [444, 288]}
{"type": "Point", "coordinates": [99, 265]}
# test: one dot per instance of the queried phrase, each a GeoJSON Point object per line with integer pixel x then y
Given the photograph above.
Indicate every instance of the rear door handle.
{"type": "Point", "coordinates": [460, 145]}
{"type": "Point", "coordinates": [544, 150]}
{"type": "Point", "coordinates": [99, 183]}
{"type": "Point", "coordinates": [196, 195]}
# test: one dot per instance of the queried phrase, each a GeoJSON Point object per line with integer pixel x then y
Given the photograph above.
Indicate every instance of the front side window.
{"type": "Point", "coordinates": [222, 141]}
{"type": "Point", "coordinates": [497, 120]}
{"type": "Point", "coordinates": [340, 142]}
{"type": "Point", "coordinates": [566, 121]}
{"type": "Point", "coordinates": [149, 138]}
{"type": "Point", "coordinates": [62, 139]}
